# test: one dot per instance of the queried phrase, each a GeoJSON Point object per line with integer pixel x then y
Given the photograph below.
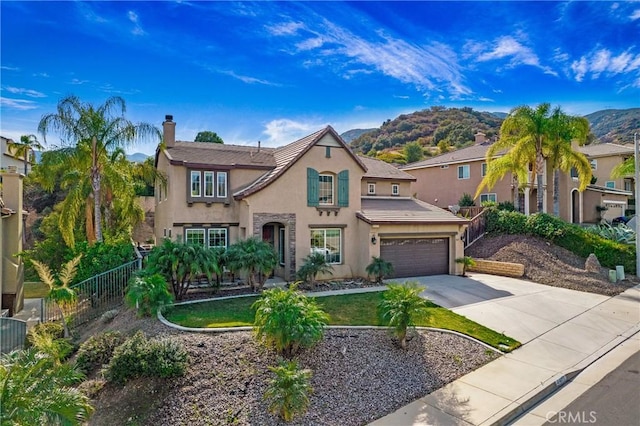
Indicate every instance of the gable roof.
{"type": "Point", "coordinates": [287, 155]}
{"type": "Point", "coordinates": [605, 149]}
{"type": "Point", "coordinates": [206, 154]}
{"type": "Point", "coordinates": [405, 210]}
{"type": "Point", "coordinates": [378, 169]}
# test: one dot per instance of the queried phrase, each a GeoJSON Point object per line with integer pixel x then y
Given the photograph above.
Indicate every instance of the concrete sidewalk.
{"type": "Point", "coordinates": [562, 331]}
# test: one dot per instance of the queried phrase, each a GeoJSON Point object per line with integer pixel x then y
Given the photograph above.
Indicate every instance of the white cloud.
{"type": "Point", "coordinates": [602, 61]}
{"type": "Point", "coordinates": [41, 74]}
{"type": "Point", "coordinates": [20, 104]}
{"type": "Point", "coordinates": [283, 131]}
{"type": "Point", "coordinates": [6, 68]}
{"type": "Point", "coordinates": [635, 15]}
{"type": "Point", "coordinates": [287, 28]}
{"type": "Point", "coordinates": [26, 92]}
{"type": "Point", "coordinates": [427, 67]}
{"type": "Point", "coordinates": [137, 29]}
{"type": "Point", "coordinates": [247, 79]}
{"type": "Point", "coordinates": [77, 81]}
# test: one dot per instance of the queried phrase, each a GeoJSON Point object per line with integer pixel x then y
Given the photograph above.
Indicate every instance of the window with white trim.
{"type": "Point", "coordinates": [610, 184]}
{"type": "Point", "coordinates": [222, 185]}
{"type": "Point", "coordinates": [594, 164]}
{"type": "Point", "coordinates": [464, 172]}
{"type": "Point", "coordinates": [327, 242]}
{"type": "Point", "coordinates": [208, 184]}
{"type": "Point", "coordinates": [325, 189]}
{"type": "Point", "coordinates": [484, 169]}
{"type": "Point", "coordinates": [574, 173]}
{"type": "Point", "coordinates": [195, 184]}
{"type": "Point", "coordinates": [491, 196]}
{"type": "Point", "coordinates": [194, 236]}
{"type": "Point", "coordinates": [371, 188]}
{"type": "Point", "coordinates": [217, 237]}
{"type": "Point", "coordinates": [395, 189]}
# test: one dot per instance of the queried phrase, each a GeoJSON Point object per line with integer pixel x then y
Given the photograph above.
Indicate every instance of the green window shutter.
{"type": "Point", "coordinates": [343, 188]}
{"type": "Point", "coordinates": [313, 177]}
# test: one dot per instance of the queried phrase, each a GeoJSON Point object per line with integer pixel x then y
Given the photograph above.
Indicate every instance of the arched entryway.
{"type": "Point", "coordinates": [279, 231]}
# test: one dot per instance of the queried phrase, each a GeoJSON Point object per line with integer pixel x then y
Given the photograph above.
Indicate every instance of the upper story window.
{"type": "Point", "coordinates": [594, 164]}
{"type": "Point", "coordinates": [574, 173]}
{"type": "Point", "coordinates": [464, 172]}
{"type": "Point", "coordinates": [395, 189]}
{"type": "Point", "coordinates": [207, 185]}
{"type": "Point", "coordinates": [628, 185]}
{"type": "Point", "coordinates": [610, 184]}
{"type": "Point", "coordinates": [196, 185]}
{"type": "Point", "coordinates": [371, 189]}
{"type": "Point", "coordinates": [323, 191]}
{"type": "Point", "coordinates": [484, 169]}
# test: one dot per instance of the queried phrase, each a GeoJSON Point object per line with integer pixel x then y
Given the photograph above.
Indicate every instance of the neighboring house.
{"type": "Point", "coordinates": [442, 180]}
{"type": "Point", "coordinates": [8, 160]}
{"type": "Point", "coordinates": [312, 195]}
{"type": "Point", "coordinates": [11, 228]}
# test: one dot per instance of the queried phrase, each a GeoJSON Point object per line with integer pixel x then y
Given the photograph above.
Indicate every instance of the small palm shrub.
{"type": "Point", "coordinates": [466, 261]}
{"type": "Point", "coordinates": [287, 320]}
{"type": "Point", "coordinates": [255, 257]}
{"type": "Point", "coordinates": [379, 268]}
{"type": "Point", "coordinates": [142, 357]}
{"type": "Point", "coordinates": [148, 294]}
{"type": "Point", "coordinates": [36, 390]}
{"type": "Point", "coordinates": [314, 264]}
{"type": "Point", "coordinates": [401, 306]}
{"type": "Point", "coordinates": [288, 392]}
{"type": "Point", "coordinates": [49, 340]}
{"type": "Point", "coordinates": [98, 350]}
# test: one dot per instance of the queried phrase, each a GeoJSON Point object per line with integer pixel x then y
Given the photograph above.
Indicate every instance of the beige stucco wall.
{"type": "Point", "coordinates": [441, 187]}
{"type": "Point", "coordinates": [12, 267]}
{"type": "Point", "coordinates": [383, 187]}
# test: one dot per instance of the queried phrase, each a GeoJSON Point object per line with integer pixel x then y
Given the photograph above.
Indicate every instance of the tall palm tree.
{"type": "Point", "coordinates": [95, 132]}
{"type": "Point", "coordinates": [512, 162]}
{"type": "Point", "coordinates": [25, 147]}
{"type": "Point", "coordinates": [526, 130]}
{"type": "Point", "coordinates": [563, 130]}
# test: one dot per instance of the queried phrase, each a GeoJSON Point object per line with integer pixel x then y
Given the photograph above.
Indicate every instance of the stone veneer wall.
{"type": "Point", "coordinates": [506, 269]}
{"type": "Point", "coordinates": [289, 220]}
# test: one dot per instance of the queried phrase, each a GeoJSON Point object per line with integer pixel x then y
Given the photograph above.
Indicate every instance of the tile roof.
{"type": "Point", "coordinates": [604, 149]}
{"type": "Point", "coordinates": [287, 155]}
{"type": "Point", "coordinates": [378, 169]}
{"type": "Point", "coordinates": [470, 153]}
{"type": "Point", "coordinates": [405, 210]}
{"type": "Point", "coordinates": [215, 154]}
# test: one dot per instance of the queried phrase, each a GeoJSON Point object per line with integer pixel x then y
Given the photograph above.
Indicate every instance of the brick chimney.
{"type": "Point", "coordinates": [169, 131]}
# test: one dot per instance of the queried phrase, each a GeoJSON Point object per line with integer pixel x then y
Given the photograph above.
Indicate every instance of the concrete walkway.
{"type": "Point", "coordinates": [562, 331]}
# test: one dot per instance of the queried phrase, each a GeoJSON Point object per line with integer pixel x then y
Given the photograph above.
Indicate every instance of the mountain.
{"type": "Point", "coordinates": [615, 125]}
{"type": "Point", "coordinates": [350, 135]}
{"type": "Point", "coordinates": [137, 157]}
{"type": "Point", "coordinates": [456, 126]}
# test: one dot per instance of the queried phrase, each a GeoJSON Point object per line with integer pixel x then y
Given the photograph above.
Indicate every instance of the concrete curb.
{"type": "Point", "coordinates": [551, 386]}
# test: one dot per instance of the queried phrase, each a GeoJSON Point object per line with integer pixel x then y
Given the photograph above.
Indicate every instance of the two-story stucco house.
{"type": "Point", "coordinates": [443, 179]}
{"type": "Point", "coordinates": [312, 195]}
{"type": "Point", "coordinates": [9, 161]}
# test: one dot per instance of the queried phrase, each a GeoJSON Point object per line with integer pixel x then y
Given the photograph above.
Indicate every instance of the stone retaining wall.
{"type": "Point", "coordinates": [493, 267]}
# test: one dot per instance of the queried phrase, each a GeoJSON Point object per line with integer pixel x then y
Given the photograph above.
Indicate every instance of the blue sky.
{"type": "Point", "coordinates": [276, 71]}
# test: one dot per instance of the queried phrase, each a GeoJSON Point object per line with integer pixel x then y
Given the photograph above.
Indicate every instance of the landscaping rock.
{"type": "Point", "coordinates": [592, 264]}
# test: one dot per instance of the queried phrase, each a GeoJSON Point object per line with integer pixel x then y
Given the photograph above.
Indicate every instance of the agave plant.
{"type": "Point", "coordinates": [621, 233]}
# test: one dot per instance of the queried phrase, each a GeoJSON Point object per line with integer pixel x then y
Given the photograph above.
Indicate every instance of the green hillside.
{"type": "Point", "coordinates": [615, 125]}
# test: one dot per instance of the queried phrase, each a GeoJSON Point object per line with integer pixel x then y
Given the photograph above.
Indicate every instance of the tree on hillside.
{"type": "Point", "coordinates": [413, 152]}
{"type": "Point", "coordinates": [27, 144]}
{"type": "Point", "coordinates": [91, 134]}
{"type": "Point", "coordinates": [208, 136]}
{"type": "Point", "coordinates": [563, 130]}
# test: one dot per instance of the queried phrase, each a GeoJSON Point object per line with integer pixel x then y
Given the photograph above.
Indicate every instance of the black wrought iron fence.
{"type": "Point", "coordinates": [96, 295]}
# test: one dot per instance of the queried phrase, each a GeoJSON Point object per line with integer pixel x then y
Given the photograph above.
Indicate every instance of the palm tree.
{"type": "Point", "coordinates": [254, 256]}
{"type": "Point", "coordinates": [34, 390]}
{"type": "Point", "coordinates": [288, 392]}
{"type": "Point", "coordinates": [497, 168]}
{"type": "Point", "coordinates": [59, 291]}
{"type": "Point", "coordinates": [563, 130]}
{"type": "Point", "coordinates": [379, 268]}
{"type": "Point", "coordinates": [95, 132]}
{"type": "Point", "coordinates": [526, 131]}
{"type": "Point", "coordinates": [27, 144]}
{"type": "Point", "coordinates": [401, 306]}
{"type": "Point", "coordinates": [314, 264]}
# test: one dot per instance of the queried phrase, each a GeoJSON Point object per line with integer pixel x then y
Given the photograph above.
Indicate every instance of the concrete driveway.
{"type": "Point", "coordinates": [520, 309]}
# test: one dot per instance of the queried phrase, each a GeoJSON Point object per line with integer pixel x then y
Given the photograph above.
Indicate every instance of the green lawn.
{"type": "Point", "coordinates": [352, 309]}
{"type": "Point", "coordinates": [34, 290]}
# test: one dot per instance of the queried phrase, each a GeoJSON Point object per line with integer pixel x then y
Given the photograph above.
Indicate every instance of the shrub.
{"type": "Point", "coordinates": [49, 338]}
{"type": "Point", "coordinates": [141, 357]}
{"type": "Point", "coordinates": [287, 320]}
{"type": "Point", "coordinates": [148, 294]}
{"type": "Point", "coordinates": [620, 233]}
{"type": "Point", "coordinates": [379, 268]}
{"type": "Point", "coordinates": [506, 205]}
{"type": "Point", "coordinates": [465, 261]}
{"type": "Point", "coordinates": [466, 200]}
{"type": "Point", "coordinates": [401, 305]}
{"type": "Point", "coordinates": [288, 391]}
{"type": "Point", "coordinates": [97, 350]}
{"type": "Point", "coordinates": [314, 264]}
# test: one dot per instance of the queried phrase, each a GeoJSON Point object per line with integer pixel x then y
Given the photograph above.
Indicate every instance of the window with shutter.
{"type": "Point", "coordinates": [312, 187]}
{"type": "Point", "coordinates": [343, 188]}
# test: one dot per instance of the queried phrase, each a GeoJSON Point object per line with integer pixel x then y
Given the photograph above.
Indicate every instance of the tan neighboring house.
{"type": "Point", "coordinates": [312, 195]}
{"type": "Point", "coordinates": [442, 180]}
{"type": "Point", "coordinates": [11, 266]}
{"type": "Point", "coordinates": [8, 160]}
